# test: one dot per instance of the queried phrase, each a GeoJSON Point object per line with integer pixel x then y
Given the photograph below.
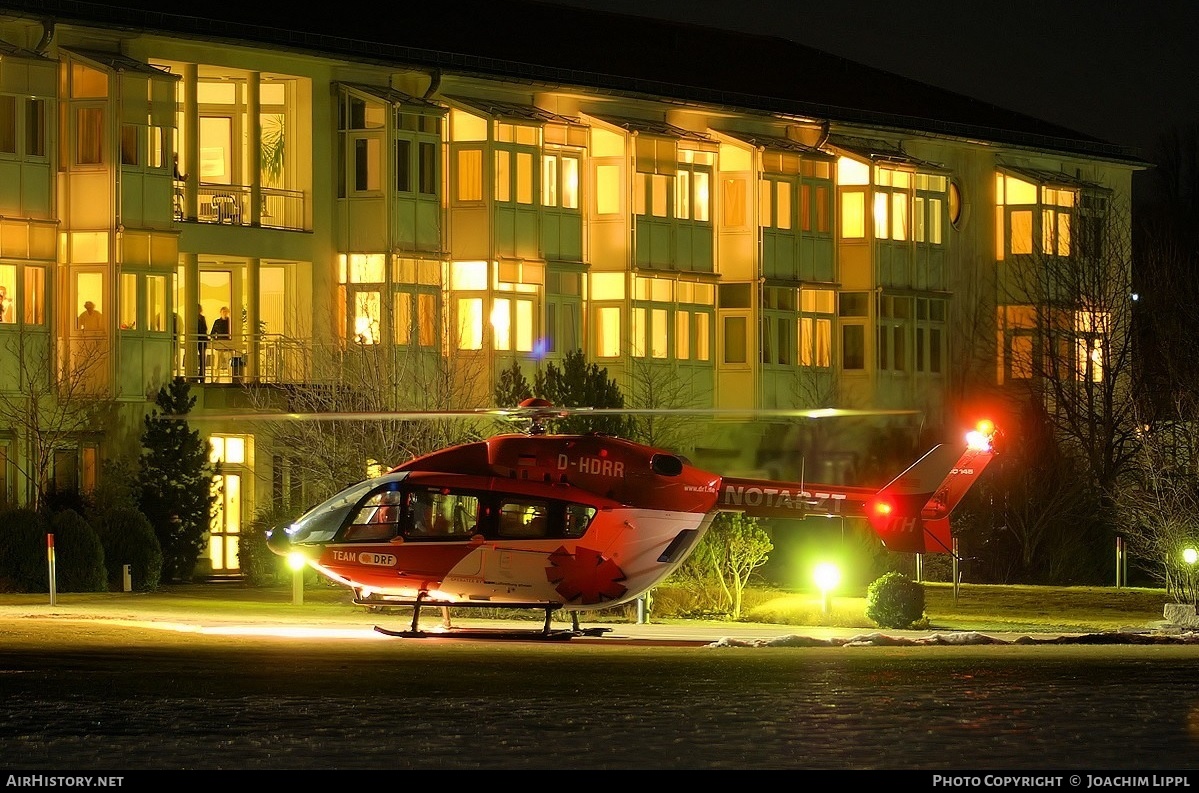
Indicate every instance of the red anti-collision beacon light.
{"type": "Point", "coordinates": [979, 439]}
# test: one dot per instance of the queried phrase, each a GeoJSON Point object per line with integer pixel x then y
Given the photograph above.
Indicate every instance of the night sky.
{"type": "Point", "coordinates": [1123, 72]}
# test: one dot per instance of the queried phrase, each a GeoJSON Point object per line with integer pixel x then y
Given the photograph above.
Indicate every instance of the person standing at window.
{"type": "Point", "coordinates": [201, 339]}
{"type": "Point", "coordinates": [5, 305]}
{"type": "Point", "coordinates": [220, 335]}
{"type": "Point", "coordinates": [220, 326]}
{"type": "Point", "coordinates": [91, 320]}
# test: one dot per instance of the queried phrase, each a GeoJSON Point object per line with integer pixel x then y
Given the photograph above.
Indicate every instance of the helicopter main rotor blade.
{"type": "Point", "coordinates": [550, 413]}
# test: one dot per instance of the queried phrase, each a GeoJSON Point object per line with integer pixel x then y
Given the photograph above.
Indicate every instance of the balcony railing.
{"type": "Point", "coordinates": [230, 204]}
{"type": "Point", "coordinates": [280, 359]}
{"type": "Point", "coordinates": [275, 359]}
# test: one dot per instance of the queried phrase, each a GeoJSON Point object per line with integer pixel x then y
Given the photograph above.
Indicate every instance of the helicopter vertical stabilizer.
{"type": "Point", "coordinates": [911, 513]}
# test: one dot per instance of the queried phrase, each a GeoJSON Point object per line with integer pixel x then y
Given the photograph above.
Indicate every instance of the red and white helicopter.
{"type": "Point", "coordinates": [580, 522]}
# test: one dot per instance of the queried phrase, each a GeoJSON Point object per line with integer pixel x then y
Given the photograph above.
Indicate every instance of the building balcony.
{"type": "Point", "coordinates": [230, 205]}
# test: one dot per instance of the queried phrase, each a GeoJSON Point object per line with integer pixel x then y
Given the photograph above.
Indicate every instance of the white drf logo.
{"type": "Point", "coordinates": [904, 525]}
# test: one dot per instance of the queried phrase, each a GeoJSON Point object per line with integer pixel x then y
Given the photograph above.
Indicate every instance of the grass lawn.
{"type": "Point", "coordinates": [979, 607]}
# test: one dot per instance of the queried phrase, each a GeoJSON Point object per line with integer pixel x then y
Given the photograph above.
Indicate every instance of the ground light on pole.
{"type": "Point", "coordinates": [297, 563]}
{"type": "Point", "coordinates": [52, 568]}
{"type": "Point", "coordinates": [827, 576]}
{"type": "Point", "coordinates": [1190, 556]}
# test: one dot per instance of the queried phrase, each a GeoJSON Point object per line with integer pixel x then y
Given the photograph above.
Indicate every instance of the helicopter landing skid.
{"type": "Point", "coordinates": [554, 635]}
{"type": "Point", "coordinates": [448, 631]}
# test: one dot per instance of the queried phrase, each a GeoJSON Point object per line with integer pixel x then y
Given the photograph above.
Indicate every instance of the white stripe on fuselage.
{"type": "Point", "coordinates": [515, 570]}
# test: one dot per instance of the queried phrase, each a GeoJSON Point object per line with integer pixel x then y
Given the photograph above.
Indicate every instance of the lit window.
{"type": "Point", "coordinates": [549, 180]}
{"type": "Point", "coordinates": [607, 286]}
{"type": "Point", "coordinates": [468, 276]}
{"type": "Point", "coordinates": [1021, 232]}
{"type": "Point", "coordinates": [880, 216]}
{"type": "Point", "coordinates": [899, 216]}
{"type": "Point", "coordinates": [35, 295]}
{"type": "Point", "coordinates": [470, 323]}
{"type": "Point", "coordinates": [703, 350]}
{"type": "Point", "coordinates": [367, 268]}
{"type": "Point", "coordinates": [608, 332]}
{"type": "Point", "coordinates": [366, 317]}
{"type": "Point", "coordinates": [89, 136]}
{"type": "Point", "coordinates": [156, 303]}
{"type": "Point", "coordinates": [8, 293]}
{"type": "Point", "coordinates": [524, 178]}
{"type": "Point", "coordinates": [127, 315]}
{"type": "Point", "coordinates": [402, 318]}
{"type": "Point", "coordinates": [607, 189]}
{"type": "Point", "coordinates": [501, 323]}
{"type": "Point", "coordinates": [853, 215]}
{"type": "Point", "coordinates": [470, 175]}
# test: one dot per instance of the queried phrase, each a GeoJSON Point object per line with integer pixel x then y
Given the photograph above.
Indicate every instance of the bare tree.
{"type": "Point", "coordinates": [1074, 299]}
{"type": "Point", "coordinates": [1159, 506]}
{"type": "Point", "coordinates": [55, 404]}
{"type": "Point", "coordinates": [367, 378]}
{"type": "Point", "coordinates": [660, 386]}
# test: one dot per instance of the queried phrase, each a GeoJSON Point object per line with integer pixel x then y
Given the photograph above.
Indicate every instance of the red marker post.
{"type": "Point", "coordinates": [50, 562]}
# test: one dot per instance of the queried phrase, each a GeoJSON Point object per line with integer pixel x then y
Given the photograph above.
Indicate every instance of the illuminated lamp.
{"type": "Point", "coordinates": [979, 439]}
{"type": "Point", "coordinates": [297, 562]}
{"type": "Point", "coordinates": [1190, 555]}
{"type": "Point", "coordinates": [827, 576]}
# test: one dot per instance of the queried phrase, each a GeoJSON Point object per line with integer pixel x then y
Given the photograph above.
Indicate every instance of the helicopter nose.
{"type": "Point", "coordinates": [278, 541]}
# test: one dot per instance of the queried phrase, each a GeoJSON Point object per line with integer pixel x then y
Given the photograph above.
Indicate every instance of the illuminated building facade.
{"type": "Point", "coordinates": [799, 242]}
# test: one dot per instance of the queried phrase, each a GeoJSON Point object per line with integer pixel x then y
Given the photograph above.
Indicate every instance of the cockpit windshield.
{"type": "Point", "coordinates": [321, 523]}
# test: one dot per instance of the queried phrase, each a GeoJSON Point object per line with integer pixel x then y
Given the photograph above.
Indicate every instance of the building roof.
{"type": "Point", "coordinates": [512, 111]}
{"type": "Point", "coordinates": [619, 54]}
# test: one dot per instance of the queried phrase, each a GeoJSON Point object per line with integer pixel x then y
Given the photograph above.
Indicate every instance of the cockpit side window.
{"type": "Point", "coordinates": [576, 520]}
{"type": "Point", "coordinates": [376, 518]}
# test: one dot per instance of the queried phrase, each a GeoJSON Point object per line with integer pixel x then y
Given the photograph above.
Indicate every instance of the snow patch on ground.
{"type": "Point", "coordinates": [967, 638]}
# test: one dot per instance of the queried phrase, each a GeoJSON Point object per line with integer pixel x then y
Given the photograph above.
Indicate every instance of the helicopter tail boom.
{"type": "Point", "coordinates": [910, 514]}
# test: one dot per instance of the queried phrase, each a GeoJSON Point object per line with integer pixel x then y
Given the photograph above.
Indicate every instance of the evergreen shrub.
{"type": "Point", "coordinates": [78, 554]}
{"type": "Point", "coordinates": [129, 539]}
{"type": "Point", "coordinates": [895, 601]}
{"type": "Point", "coordinates": [23, 565]}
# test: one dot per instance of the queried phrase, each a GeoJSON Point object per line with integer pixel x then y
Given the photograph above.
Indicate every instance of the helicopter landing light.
{"type": "Point", "coordinates": [297, 560]}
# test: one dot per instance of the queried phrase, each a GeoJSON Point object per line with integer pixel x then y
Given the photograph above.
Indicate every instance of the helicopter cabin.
{"type": "Point", "coordinates": [394, 512]}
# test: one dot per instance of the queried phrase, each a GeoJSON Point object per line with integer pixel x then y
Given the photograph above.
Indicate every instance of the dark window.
{"type": "Point", "coordinates": [8, 124]}
{"type": "Point", "coordinates": [853, 347]}
{"type": "Point", "coordinates": [403, 166]}
{"type": "Point", "coordinates": [428, 168]}
{"type": "Point", "coordinates": [361, 165]}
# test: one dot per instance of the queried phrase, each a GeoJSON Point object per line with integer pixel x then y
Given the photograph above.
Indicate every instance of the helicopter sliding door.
{"type": "Point", "coordinates": [440, 514]}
